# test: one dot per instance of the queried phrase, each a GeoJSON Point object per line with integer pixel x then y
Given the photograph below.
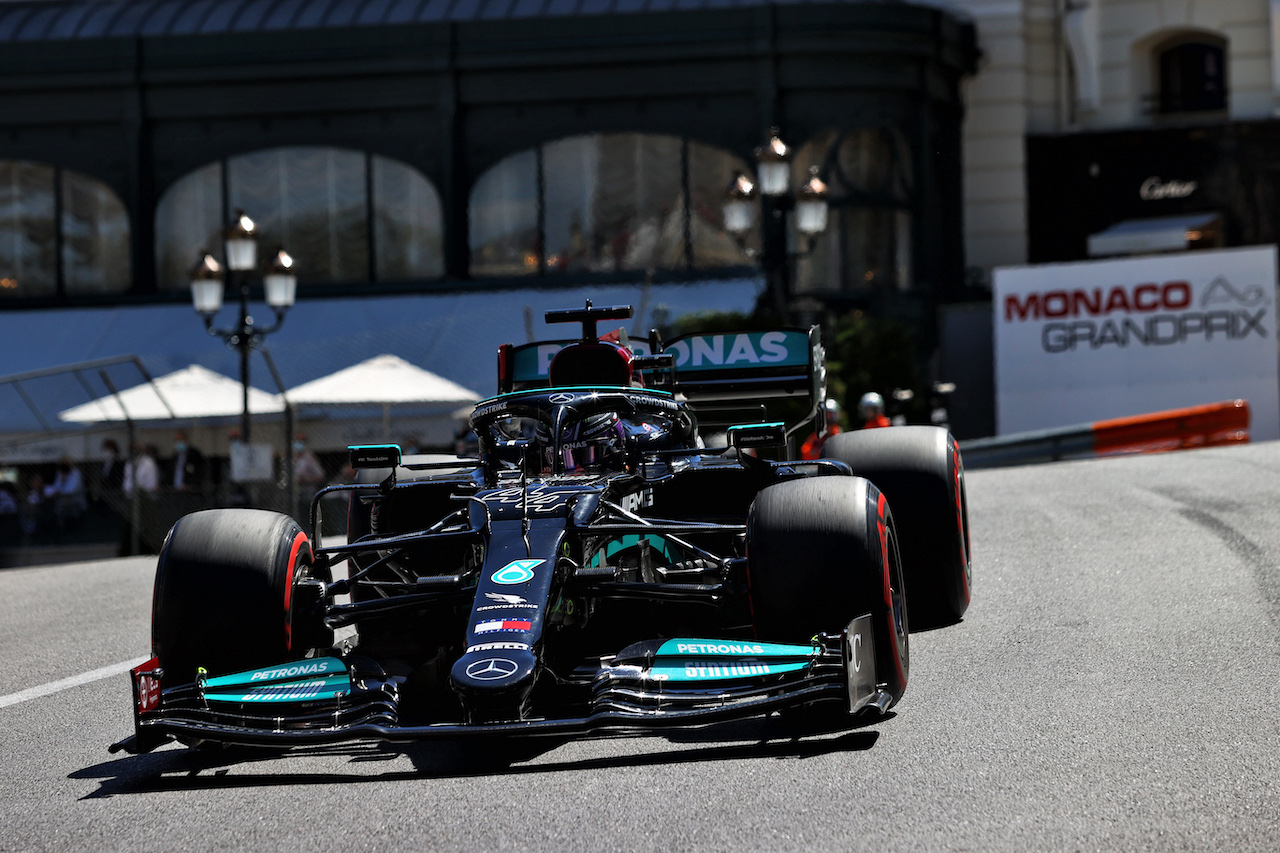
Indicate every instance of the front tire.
{"type": "Point", "coordinates": [918, 468]}
{"type": "Point", "coordinates": [224, 592]}
{"type": "Point", "coordinates": [820, 552]}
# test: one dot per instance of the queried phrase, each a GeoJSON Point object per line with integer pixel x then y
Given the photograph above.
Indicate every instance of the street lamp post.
{"type": "Point", "coordinates": [279, 285]}
{"type": "Point", "coordinates": [807, 205]}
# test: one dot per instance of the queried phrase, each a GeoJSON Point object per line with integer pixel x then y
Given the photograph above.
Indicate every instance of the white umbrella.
{"type": "Point", "coordinates": [384, 380]}
{"type": "Point", "coordinates": [193, 392]}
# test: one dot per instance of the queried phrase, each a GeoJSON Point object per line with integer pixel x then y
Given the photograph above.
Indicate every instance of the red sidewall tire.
{"type": "Point", "coordinates": [224, 592]}
{"type": "Point", "coordinates": [820, 552]}
{"type": "Point", "coordinates": [920, 472]}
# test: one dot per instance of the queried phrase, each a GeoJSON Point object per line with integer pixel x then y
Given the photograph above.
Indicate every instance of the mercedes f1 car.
{"type": "Point", "coordinates": [632, 549]}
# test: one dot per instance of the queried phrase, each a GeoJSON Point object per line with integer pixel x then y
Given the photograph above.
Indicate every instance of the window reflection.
{"type": "Point", "coordinates": [504, 218]}
{"type": "Point", "coordinates": [95, 237]}
{"type": "Point", "coordinates": [408, 231]}
{"type": "Point", "coordinates": [315, 202]}
{"type": "Point", "coordinates": [867, 245]}
{"type": "Point", "coordinates": [93, 229]}
{"type": "Point", "coordinates": [710, 172]}
{"type": "Point", "coordinates": [608, 203]}
{"type": "Point", "coordinates": [863, 249]}
{"type": "Point", "coordinates": [188, 223]}
{"type": "Point", "coordinates": [614, 203]}
{"type": "Point", "coordinates": [859, 164]}
{"type": "Point", "coordinates": [311, 201]}
{"type": "Point", "coordinates": [28, 266]}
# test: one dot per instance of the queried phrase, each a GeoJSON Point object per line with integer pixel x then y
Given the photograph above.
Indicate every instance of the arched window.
{"type": "Point", "coordinates": [1192, 75]}
{"type": "Point", "coordinates": [95, 237]}
{"type": "Point", "coordinates": [867, 244]}
{"type": "Point", "coordinates": [189, 221]}
{"type": "Point", "coordinates": [310, 201]}
{"type": "Point", "coordinates": [408, 232]}
{"type": "Point", "coordinates": [317, 203]}
{"type": "Point", "coordinates": [603, 203]}
{"type": "Point", "coordinates": [28, 243]}
{"type": "Point", "coordinates": [61, 232]}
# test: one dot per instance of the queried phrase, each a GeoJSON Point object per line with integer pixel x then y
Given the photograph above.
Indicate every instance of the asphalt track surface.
{"type": "Point", "coordinates": [1114, 686]}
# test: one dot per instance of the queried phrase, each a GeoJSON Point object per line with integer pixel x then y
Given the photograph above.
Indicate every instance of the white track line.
{"type": "Point", "coordinates": [67, 683]}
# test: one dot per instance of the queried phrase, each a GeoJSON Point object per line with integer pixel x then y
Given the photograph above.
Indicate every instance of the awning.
{"type": "Point", "coordinates": [1157, 234]}
{"type": "Point", "coordinates": [384, 380]}
{"type": "Point", "coordinates": [190, 393]}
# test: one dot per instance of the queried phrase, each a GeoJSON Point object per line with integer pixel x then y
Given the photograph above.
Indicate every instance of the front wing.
{"type": "Point", "coordinates": [660, 684]}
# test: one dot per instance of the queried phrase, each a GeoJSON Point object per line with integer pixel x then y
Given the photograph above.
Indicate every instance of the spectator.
{"type": "Point", "coordinates": [812, 448]}
{"type": "Point", "coordinates": [236, 492]}
{"type": "Point", "coordinates": [871, 407]}
{"type": "Point", "coordinates": [143, 472]}
{"type": "Point", "coordinates": [112, 466]}
{"type": "Point", "coordinates": [35, 510]}
{"type": "Point", "coordinates": [67, 494]}
{"type": "Point", "coordinates": [141, 480]}
{"type": "Point", "coordinates": [8, 499]}
{"type": "Point", "coordinates": [188, 466]}
{"type": "Point", "coordinates": [10, 529]}
{"type": "Point", "coordinates": [110, 475]}
{"type": "Point", "coordinates": [307, 469]}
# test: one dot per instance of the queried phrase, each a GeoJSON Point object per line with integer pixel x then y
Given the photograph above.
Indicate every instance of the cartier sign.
{"type": "Point", "coordinates": [1154, 189]}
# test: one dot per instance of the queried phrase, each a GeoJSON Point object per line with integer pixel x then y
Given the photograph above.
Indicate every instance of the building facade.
{"type": "Point", "coordinates": [415, 146]}
{"type": "Point", "coordinates": [1142, 124]}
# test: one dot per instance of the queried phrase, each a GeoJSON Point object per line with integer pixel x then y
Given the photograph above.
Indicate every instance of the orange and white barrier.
{"type": "Point", "coordinates": [1209, 425]}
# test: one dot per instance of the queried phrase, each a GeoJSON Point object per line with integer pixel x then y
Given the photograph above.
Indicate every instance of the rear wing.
{"type": "Point", "coordinates": [728, 377]}
{"type": "Point", "coordinates": [707, 369]}
{"type": "Point", "coordinates": [744, 366]}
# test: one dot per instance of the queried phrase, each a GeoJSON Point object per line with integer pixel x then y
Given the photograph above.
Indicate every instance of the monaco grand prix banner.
{"type": "Point", "coordinates": [1094, 340]}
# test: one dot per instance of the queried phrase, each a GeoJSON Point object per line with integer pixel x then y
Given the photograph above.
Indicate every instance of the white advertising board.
{"type": "Point", "coordinates": [251, 463]}
{"type": "Point", "coordinates": [1093, 340]}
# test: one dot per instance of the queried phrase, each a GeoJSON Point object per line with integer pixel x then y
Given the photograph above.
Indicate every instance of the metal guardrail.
{"type": "Point", "coordinates": [1176, 429]}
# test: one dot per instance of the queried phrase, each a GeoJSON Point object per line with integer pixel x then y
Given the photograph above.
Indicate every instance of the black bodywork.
{"type": "Point", "coordinates": [589, 570]}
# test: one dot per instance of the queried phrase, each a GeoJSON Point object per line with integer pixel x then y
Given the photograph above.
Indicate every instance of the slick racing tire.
{"type": "Point", "coordinates": [821, 551]}
{"type": "Point", "coordinates": [224, 593]}
{"type": "Point", "coordinates": [918, 468]}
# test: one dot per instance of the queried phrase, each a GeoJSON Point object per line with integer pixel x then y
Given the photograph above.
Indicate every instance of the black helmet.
{"type": "Point", "coordinates": [595, 443]}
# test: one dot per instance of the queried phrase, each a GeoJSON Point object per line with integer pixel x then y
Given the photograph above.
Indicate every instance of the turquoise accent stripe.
{"type": "Point", "coordinates": [631, 540]}
{"type": "Point", "coordinates": [291, 671]}
{"type": "Point", "coordinates": [723, 670]}
{"type": "Point", "coordinates": [613, 389]}
{"type": "Point", "coordinates": [319, 689]}
{"type": "Point", "coordinates": [685, 647]}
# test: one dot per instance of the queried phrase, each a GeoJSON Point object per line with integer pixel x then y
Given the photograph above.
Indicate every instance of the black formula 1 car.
{"type": "Point", "coordinates": [603, 564]}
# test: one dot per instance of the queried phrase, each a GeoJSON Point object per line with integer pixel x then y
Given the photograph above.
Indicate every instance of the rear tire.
{"type": "Point", "coordinates": [918, 468]}
{"type": "Point", "coordinates": [224, 590]}
{"type": "Point", "coordinates": [820, 552]}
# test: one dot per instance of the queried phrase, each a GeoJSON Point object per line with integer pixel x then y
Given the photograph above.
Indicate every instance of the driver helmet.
{"type": "Point", "coordinates": [595, 443]}
{"type": "Point", "coordinates": [870, 405]}
{"type": "Point", "coordinates": [833, 412]}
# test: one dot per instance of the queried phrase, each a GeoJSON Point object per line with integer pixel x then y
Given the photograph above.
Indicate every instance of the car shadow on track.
{"type": "Point", "coordinates": [210, 769]}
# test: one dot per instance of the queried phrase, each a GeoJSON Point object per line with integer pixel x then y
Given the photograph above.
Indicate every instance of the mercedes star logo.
{"type": "Point", "coordinates": [491, 669]}
{"type": "Point", "coordinates": [561, 399]}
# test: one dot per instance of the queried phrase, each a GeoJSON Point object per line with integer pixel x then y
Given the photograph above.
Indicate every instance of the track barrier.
{"type": "Point", "coordinates": [1209, 425]}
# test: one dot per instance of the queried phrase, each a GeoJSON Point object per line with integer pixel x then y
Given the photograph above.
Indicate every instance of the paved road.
{"type": "Point", "coordinates": [1115, 686]}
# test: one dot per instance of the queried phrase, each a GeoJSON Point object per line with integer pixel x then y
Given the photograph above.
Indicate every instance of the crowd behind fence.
{"type": "Point", "coordinates": [131, 505]}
